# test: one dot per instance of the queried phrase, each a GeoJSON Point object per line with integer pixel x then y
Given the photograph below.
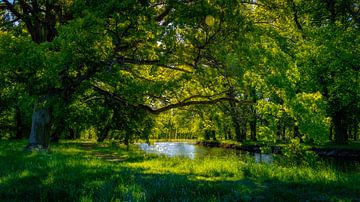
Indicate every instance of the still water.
{"type": "Point", "coordinates": [192, 151]}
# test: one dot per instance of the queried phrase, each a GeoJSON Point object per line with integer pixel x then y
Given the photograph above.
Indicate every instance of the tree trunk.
{"type": "Point", "coordinates": [58, 128]}
{"type": "Point", "coordinates": [355, 132]}
{"type": "Point", "coordinates": [237, 130]}
{"type": "Point", "coordinates": [243, 132]}
{"type": "Point", "coordinates": [340, 128]}
{"type": "Point", "coordinates": [284, 133]}
{"type": "Point", "coordinates": [349, 132]}
{"type": "Point", "coordinates": [18, 124]}
{"type": "Point", "coordinates": [253, 129]}
{"type": "Point", "coordinates": [278, 130]}
{"type": "Point", "coordinates": [331, 8]}
{"type": "Point", "coordinates": [228, 134]}
{"type": "Point", "coordinates": [127, 139]}
{"type": "Point", "coordinates": [235, 116]}
{"type": "Point", "coordinates": [331, 131]}
{"type": "Point", "coordinates": [103, 134]}
{"type": "Point", "coordinates": [296, 131]}
{"type": "Point", "coordinates": [213, 135]}
{"type": "Point", "coordinates": [72, 134]}
{"type": "Point", "coordinates": [40, 129]}
{"type": "Point", "coordinates": [253, 110]}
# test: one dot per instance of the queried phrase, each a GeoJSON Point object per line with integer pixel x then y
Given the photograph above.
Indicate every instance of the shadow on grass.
{"type": "Point", "coordinates": [174, 187]}
{"type": "Point", "coordinates": [80, 176]}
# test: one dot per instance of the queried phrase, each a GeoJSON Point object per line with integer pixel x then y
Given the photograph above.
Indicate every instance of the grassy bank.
{"type": "Point", "coordinates": [83, 171]}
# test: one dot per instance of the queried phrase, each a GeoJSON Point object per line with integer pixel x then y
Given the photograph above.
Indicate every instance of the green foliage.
{"type": "Point", "coordinates": [291, 66]}
{"type": "Point", "coordinates": [298, 154]}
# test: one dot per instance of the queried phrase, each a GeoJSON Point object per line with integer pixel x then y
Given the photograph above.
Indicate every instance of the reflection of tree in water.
{"type": "Point", "coordinates": [171, 149]}
{"type": "Point", "coordinates": [187, 150]}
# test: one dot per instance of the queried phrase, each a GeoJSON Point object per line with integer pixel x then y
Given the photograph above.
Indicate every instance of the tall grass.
{"type": "Point", "coordinates": [71, 171]}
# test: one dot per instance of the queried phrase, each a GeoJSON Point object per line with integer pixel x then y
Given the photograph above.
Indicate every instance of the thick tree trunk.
{"type": "Point", "coordinates": [40, 129]}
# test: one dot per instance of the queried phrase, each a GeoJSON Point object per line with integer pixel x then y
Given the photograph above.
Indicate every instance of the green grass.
{"type": "Point", "coordinates": [78, 171]}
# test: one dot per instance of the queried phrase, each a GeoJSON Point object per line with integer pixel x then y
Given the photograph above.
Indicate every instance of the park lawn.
{"type": "Point", "coordinates": [87, 171]}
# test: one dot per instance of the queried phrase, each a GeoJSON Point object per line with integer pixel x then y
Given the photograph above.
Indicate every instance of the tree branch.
{"type": "Point", "coordinates": [12, 9]}
{"type": "Point", "coordinates": [296, 17]}
{"type": "Point", "coordinates": [203, 96]}
{"type": "Point", "coordinates": [150, 62]}
{"type": "Point", "coordinates": [162, 15]}
{"type": "Point", "coordinates": [183, 103]}
{"type": "Point", "coordinates": [9, 22]}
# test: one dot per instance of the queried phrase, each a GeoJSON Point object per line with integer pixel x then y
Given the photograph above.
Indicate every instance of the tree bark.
{"type": "Point", "coordinates": [340, 128]}
{"type": "Point", "coordinates": [213, 135]}
{"type": "Point", "coordinates": [243, 131]}
{"type": "Point", "coordinates": [235, 116]}
{"type": "Point", "coordinates": [103, 134]}
{"type": "Point", "coordinates": [253, 129]}
{"type": "Point", "coordinates": [18, 124]}
{"type": "Point", "coordinates": [296, 131]}
{"type": "Point", "coordinates": [40, 129]}
{"type": "Point", "coordinates": [331, 134]}
{"type": "Point", "coordinates": [228, 134]}
{"type": "Point", "coordinates": [284, 132]}
{"type": "Point", "coordinates": [278, 131]}
{"type": "Point", "coordinates": [254, 118]}
{"type": "Point", "coordinates": [72, 134]}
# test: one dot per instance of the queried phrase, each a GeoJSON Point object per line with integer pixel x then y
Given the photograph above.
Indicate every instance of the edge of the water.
{"type": "Point", "coordinates": [325, 152]}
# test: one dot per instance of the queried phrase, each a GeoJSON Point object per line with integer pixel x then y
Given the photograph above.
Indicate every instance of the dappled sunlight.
{"type": "Point", "coordinates": [147, 177]}
{"type": "Point", "coordinates": [179, 100]}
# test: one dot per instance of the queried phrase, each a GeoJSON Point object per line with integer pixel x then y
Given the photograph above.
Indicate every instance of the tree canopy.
{"type": "Point", "coordinates": [232, 69]}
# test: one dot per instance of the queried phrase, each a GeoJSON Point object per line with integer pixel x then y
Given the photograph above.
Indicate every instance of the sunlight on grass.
{"type": "Point", "coordinates": [76, 173]}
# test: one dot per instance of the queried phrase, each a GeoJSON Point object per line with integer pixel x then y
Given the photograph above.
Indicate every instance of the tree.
{"type": "Point", "coordinates": [329, 60]}
{"type": "Point", "coordinates": [116, 63]}
{"type": "Point", "coordinates": [85, 45]}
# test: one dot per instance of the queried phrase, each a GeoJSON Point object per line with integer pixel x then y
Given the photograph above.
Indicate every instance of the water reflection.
{"type": "Point", "coordinates": [170, 149]}
{"type": "Point", "coordinates": [264, 158]}
{"type": "Point", "coordinates": [187, 150]}
{"type": "Point", "coordinates": [192, 151]}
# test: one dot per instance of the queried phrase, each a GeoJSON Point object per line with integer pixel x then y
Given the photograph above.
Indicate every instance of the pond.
{"type": "Point", "coordinates": [192, 151]}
